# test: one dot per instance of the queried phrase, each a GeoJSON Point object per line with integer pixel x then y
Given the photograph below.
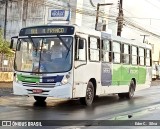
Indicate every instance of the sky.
{"type": "Point", "coordinates": [144, 12]}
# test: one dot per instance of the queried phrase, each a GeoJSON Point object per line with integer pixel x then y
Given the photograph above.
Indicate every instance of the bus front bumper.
{"type": "Point", "coordinates": [62, 91]}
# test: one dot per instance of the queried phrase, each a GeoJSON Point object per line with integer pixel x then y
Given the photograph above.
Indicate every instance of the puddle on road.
{"type": "Point", "coordinates": [25, 101]}
{"type": "Point", "coordinates": [135, 114]}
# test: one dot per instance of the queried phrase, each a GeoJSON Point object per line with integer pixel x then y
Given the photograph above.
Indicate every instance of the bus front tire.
{"type": "Point", "coordinates": [88, 99]}
{"type": "Point", "coordinates": [40, 98]}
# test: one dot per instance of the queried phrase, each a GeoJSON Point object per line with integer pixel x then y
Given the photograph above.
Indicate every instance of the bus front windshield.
{"type": "Point", "coordinates": [49, 55]}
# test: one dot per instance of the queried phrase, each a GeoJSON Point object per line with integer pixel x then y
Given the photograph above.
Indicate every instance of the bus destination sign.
{"type": "Point", "coordinates": [47, 30]}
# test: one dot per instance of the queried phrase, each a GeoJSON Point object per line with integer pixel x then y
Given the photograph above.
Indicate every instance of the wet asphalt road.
{"type": "Point", "coordinates": [109, 107]}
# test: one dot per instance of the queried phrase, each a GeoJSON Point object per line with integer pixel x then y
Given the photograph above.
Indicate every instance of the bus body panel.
{"type": "Point", "coordinates": [49, 84]}
{"type": "Point", "coordinates": [81, 79]}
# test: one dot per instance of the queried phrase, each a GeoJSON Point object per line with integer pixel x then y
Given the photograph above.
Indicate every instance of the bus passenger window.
{"type": "Point", "coordinates": [94, 49]}
{"type": "Point", "coordinates": [106, 54]}
{"type": "Point", "coordinates": [116, 52]}
{"type": "Point", "coordinates": [134, 55]}
{"type": "Point", "coordinates": [141, 56]}
{"type": "Point", "coordinates": [125, 54]}
{"type": "Point", "coordinates": [148, 57]}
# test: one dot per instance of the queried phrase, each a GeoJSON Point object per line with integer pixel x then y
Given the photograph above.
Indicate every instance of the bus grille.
{"type": "Point", "coordinates": [41, 84]}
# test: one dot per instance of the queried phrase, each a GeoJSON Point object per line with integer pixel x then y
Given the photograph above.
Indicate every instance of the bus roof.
{"type": "Point", "coordinates": [125, 40]}
{"type": "Point", "coordinates": [88, 31]}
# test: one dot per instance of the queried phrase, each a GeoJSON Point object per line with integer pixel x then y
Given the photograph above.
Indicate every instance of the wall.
{"type": "Point", "coordinates": [22, 13]}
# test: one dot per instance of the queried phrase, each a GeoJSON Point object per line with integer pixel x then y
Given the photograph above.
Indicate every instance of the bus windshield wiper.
{"type": "Point", "coordinates": [63, 42]}
{"type": "Point", "coordinates": [32, 41]}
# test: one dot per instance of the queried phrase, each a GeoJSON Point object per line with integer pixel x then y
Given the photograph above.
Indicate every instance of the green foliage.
{"type": "Point", "coordinates": [4, 46]}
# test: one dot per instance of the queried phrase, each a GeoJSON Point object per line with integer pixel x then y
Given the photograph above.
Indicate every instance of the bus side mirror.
{"type": "Point", "coordinates": [81, 44]}
{"type": "Point", "coordinates": [11, 45]}
{"type": "Point", "coordinates": [12, 42]}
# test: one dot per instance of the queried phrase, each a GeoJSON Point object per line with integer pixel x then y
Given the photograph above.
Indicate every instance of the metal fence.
{"type": "Point", "coordinates": [6, 63]}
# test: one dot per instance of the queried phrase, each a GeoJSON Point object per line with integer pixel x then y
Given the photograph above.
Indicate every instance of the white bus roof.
{"type": "Point", "coordinates": [124, 40]}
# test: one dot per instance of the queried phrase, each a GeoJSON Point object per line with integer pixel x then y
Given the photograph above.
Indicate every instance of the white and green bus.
{"type": "Point", "coordinates": [67, 61]}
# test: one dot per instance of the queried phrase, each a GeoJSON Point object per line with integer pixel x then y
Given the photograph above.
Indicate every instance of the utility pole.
{"type": "Point", "coordinates": [24, 13]}
{"type": "Point", "coordinates": [5, 18]}
{"type": "Point", "coordinates": [144, 37]}
{"type": "Point", "coordinates": [97, 15]}
{"type": "Point", "coordinates": [120, 19]}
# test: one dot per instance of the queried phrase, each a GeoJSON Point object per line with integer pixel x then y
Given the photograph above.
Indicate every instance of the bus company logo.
{"type": "Point", "coordinates": [106, 70]}
{"type": "Point", "coordinates": [133, 71]}
{"type": "Point", "coordinates": [50, 80]}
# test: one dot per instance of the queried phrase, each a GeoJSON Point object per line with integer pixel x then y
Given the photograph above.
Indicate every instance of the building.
{"type": "Point", "coordinates": [22, 13]}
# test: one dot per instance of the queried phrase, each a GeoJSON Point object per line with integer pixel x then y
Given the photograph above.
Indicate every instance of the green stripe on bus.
{"type": "Point", "coordinates": [122, 74]}
{"type": "Point", "coordinates": [28, 78]}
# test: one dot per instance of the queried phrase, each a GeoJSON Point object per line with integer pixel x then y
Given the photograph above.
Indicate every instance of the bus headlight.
{"type": "Point", "coordinates": [65, 79]}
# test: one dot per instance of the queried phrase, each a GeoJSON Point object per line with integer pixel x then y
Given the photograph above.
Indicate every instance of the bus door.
{"type": "Point", "coordinates": [127, 70]}
{"type": "Point", "coordinates": [116, 67]}
{"type": "Point", "coordinates": [142, 67]}
{"type": "Point", "coordinates": [106, 67]}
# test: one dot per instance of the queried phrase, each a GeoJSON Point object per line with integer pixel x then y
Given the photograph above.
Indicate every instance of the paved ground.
{"type": "Point", "coordinates": [6, 87]}
{"type": "Point", "coordinates": [155, 83]}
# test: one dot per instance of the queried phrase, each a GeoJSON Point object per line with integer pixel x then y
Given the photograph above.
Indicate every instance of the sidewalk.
{"type": "Point", "coordinates": [6, 89]}
{"type": "Point", "coordinates": [6, 85]}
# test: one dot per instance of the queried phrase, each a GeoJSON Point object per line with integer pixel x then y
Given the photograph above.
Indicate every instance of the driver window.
{"type": "Point", "coordinates": [80, 49]}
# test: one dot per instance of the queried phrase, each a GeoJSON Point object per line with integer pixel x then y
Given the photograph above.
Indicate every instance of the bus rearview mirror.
{"type": "Point", "coordinates": [11, 45]}
{"type": "Point", "coordinates": [12, 42]}
{"type": "Point", "coordinates": [81, 44]}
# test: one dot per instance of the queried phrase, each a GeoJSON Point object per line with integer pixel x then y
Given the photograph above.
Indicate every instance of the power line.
{"type": "Point", "coordinates": [153, 4]}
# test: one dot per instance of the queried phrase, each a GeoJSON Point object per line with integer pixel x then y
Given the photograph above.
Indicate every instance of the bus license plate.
{"type": "Point", "coordinates": [37, 91]}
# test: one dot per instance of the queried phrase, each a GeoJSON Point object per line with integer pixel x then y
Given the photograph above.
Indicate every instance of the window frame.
{"type": "Point", "coordinates": [150, 57]}
{"type": "Point", "coordinates": [76, 48]}
{"type": "Point", "coordinates": [109, 52]}
{"type": "Point", "coordinates": [129, 53]}
{"type": "Point", "coordinates": [98, 46]}
{"type": "Point", "coordinates": [141, 56]}
{"type": "Point", "coordinates": [134, 55]}
{"type": "Point", "coordinates": [115, 41]}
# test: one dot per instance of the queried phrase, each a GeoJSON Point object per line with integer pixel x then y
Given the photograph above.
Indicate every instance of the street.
{"type": "Point", "coordinates": [104, 108]}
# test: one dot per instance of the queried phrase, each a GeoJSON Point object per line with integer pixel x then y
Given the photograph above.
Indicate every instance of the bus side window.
{"type": "Point", "coordinates": [141, 56]}
{"type": "Point", "coordinates": [106, 52]}
{"type": "Point", "coordinates": [116, 52]}
{"type": "Point", "coordinates": [134, 53]}
{"type": "Point", "coordinates": [148, 57]}
{"type": "Point", "coordinates": [94, 48]}
{"type": "Point", "coordinates": [125, 54]}
{"type": "Point", "coordinates": [80, 51]}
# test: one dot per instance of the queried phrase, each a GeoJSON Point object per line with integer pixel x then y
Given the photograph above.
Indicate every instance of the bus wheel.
{"type": "Point", "coordinates": [121, 95]}
{"type": "Point", "coordinates": [130, 94]}
{"type": "Point", "coordinates": [40, 98]}
{"type": "Point", "coordinates": [89, 95]}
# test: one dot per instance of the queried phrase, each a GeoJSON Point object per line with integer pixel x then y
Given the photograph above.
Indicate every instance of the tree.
{"type": "Point", "coordinates": [4, 46]}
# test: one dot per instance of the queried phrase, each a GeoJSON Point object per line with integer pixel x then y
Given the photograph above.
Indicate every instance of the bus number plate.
{"type": "Point", "coordinates": [37, 91]}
